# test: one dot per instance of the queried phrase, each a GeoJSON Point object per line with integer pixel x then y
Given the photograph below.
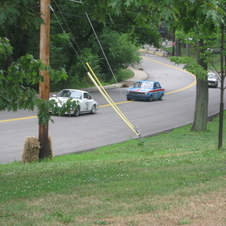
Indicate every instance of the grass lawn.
{"type": "Point", "coordinates": [122, 75]}
{"type": "Point", "coordinates": [175, 178]}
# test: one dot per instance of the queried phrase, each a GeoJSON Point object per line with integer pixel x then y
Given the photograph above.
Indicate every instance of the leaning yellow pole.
{"type": "Point", "coordinates": [120, 115]}
{"type": "Point", "coordinates": [109, 98]}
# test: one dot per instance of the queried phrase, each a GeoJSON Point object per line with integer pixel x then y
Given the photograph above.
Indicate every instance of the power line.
{"type": "Point", "coordinates": [116, 24]}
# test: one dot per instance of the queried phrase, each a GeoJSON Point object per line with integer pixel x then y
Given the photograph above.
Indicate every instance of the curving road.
{"type": "Point", "coordinates": [86, 132]}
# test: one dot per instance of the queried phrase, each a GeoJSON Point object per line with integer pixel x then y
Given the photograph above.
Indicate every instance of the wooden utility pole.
{"type": "Point", "coordinates": [44, 85]}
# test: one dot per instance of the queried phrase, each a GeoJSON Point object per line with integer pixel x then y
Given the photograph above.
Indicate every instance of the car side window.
{"type": "Point", "coordinates": [64, 93]}
{"type": "Point", "coordinates": [157, 85]}
{"type": "Point", "coordinates": [76, 95]}
{"type": "Point", "coordinates": [89, 97]}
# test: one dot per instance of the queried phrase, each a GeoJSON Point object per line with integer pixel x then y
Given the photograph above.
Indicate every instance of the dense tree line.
{"type": "Point", "coordinates": [76, 37]}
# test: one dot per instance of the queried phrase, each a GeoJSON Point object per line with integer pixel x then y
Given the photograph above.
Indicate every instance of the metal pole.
{"type": "Point", "coordinates": [221, 115]}
{"type": "Point", "coordinates": [44, 85]}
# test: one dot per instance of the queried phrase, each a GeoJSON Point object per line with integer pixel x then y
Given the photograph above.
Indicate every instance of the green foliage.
{"type": "Point", "coordinates": [25, 68]}
{"type": "Point", "coordinates": [14, 95]}
{"type": "Point", "coordinates": [19, 22]}
{"type": "Point", "coordinates": [78, 71]}
{"type": "Point", "coordinates": [147, 34]}
{"type": "Point", "coordinates": [44, 106]}
{"type": "Point", "coordinates": [123, 75]}
{"type": "Point", "coordinates": [5, 49]}
{"type": "Point", "coordinates": [119, 50]}
{"type": "Point", "coordinates": [191, 66]}
{"type": "Point", "coordinates": [178, 13]}
{"type": "Point", "coordinates": [22, 13]}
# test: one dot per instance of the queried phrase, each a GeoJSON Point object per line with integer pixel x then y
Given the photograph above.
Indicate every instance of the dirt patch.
{"type": "Point", "coordinates": [200, 210]}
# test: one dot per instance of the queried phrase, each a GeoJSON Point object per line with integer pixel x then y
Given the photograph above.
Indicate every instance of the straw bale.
{"type": "Point", "coordinates": [31, 150]}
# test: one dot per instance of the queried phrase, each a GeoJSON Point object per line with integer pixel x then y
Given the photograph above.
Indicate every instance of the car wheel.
{"type": "Point", "coordinates": [150, 98]}
{"type": "Point", "coordinates": [216, 85]}
{"type": "Point", "coordinates": [160, 98]}
{"type": "Point", "coordinates": [76, 112]}
{"type": "Point", "coordinates": [94, 109]}
{"type": "Point", "coordinates": [128, 98]}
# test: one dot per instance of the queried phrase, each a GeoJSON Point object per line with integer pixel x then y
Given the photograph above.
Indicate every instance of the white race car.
{"type": "Point", "coordinates": [85, 102]}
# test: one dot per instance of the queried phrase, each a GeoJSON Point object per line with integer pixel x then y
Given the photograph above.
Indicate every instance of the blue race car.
{"type": "Point", "coordinates": [145, 90]}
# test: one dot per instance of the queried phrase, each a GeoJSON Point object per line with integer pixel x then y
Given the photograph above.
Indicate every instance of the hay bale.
{"type": "Point", "coordinates": [31, 150]}
{"type": "Point", "coordinates": [125, 85]}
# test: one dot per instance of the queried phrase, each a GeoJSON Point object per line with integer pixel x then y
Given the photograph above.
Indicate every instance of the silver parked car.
{"type": "Point", "coordinates": [212, 80]}
{"type": "Point", "coordinates": [85, 102]}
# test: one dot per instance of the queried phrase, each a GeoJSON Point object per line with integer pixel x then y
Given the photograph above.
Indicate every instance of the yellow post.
{"type": "Point", "coordinates": [108, 96]}
{"type": "Point", "coordinates": [113, 106]}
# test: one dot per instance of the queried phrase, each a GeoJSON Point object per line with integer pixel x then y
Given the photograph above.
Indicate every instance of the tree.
{"type": "Point", "coordinates": [82, 37]}
{"type": "Point", "coordinates": [198, 67]}
{"type": "Point", "coordinates": [20, 21]}
{"type": "Point", "coordinates": [119, 49]}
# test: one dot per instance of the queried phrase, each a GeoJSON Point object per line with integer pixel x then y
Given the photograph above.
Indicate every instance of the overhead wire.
{"type": "Point", "coordinates": [91, 25]}
{"type": "Point", "coordinates": [109, 23]}
{"type": "Point", "coordinates": [124, 117]}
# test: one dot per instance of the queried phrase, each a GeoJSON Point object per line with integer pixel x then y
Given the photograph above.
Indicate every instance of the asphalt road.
{"type": "Point", "coordinates": [87, 132]}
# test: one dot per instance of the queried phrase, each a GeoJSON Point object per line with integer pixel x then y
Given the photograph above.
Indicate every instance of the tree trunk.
{"type": "Point", "coordinates": [178, 47]}
{"type": "Point", "coordinates": [202, 98]}
{"type": "Point", "coordinates": [201, 106]}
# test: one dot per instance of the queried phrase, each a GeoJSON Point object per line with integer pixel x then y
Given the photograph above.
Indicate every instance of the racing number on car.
{"type": "Point", "coordinates": [87, 105]}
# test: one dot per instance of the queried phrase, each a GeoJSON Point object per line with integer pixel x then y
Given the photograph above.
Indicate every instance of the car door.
{"type": "Point", "coordinates": [86, 103]}
{"type": "Point", "coordinates": [159, 91]}
{"type": "Point", "coordinates": [155, 93]}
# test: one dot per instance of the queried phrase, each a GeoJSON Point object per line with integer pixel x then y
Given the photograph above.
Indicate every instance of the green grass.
{"type": "Point", "coordinates": [122, 75]}
{"type": "Point", "coordinates": [125, 74]}
{"type": "Point", "coordinates": [130, 183]}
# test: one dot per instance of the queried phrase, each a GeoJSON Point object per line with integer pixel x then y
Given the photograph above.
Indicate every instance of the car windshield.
{"type": "Point", "coordinates": [69, 93]}
{"type": "Point", "coordinates": [212, 76]}
{"type": "Point", "coordinates": [148, 85]}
